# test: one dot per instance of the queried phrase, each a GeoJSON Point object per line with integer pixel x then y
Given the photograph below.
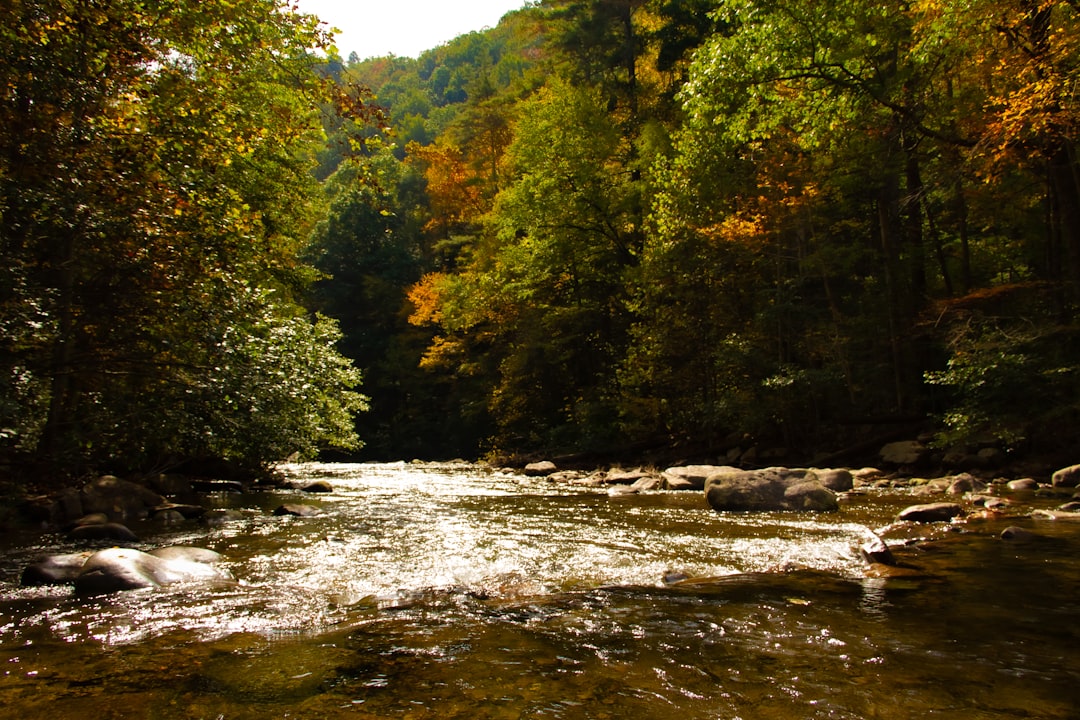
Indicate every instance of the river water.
{"type": "Point", "coordinates": [449, 591]}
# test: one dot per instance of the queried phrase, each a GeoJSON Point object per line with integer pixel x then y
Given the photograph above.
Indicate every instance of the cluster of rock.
{"type": "Point", "coordinates": [99, 513]}
{"type": "Point", "coordinates": [726, 488]}
{"type": "Point", "coordinates": [103, 508]}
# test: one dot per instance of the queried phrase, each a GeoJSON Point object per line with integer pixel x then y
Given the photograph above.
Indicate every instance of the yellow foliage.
{"type": "Point", "coordinates": [738, 229]}
{"type": "Point", "coordinates": [425, 296]}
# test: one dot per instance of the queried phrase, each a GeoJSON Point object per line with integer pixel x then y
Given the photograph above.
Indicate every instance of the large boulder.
{"type": "Point", "coordinates": [117, 569]}
{"type": "Point", "coordinates": [1066, 477]}
{"type": "Point", "coordinates": [120, 499]}
{"type": "Point", "coordinates": [692, 477]}
{"type": "Point", "coordinates": [771, 489]}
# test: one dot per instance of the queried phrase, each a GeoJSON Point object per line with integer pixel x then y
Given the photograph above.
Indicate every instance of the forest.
{"type": "Point", "coordinates": [606, 227]}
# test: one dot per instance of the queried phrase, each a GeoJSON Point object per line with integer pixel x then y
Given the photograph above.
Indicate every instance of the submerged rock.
{"type": "Point", "coordinates": [297, 510]}
{"type": "Point", "coordinates": [1019, 534]}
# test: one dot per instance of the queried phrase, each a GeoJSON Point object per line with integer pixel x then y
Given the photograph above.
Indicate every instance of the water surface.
{"type": "Point", "coordinates": [449, 591]}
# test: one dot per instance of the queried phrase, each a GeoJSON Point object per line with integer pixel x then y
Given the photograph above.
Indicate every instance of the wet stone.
{"type": "Point", "coordinates": [297, 510]}
{"type": "Point", "coordinates": [930, 512]}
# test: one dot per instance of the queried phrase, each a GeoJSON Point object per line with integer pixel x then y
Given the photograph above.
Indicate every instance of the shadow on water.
{"type": "Point", "coordinates": [448, 593]}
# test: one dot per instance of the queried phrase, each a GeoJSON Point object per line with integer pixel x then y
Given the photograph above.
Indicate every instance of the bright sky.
{"type": "Point", "coordinates": [373, 28]}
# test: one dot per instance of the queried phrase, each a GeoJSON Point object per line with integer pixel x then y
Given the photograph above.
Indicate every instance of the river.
{"type": "Point", "coordinates": [450, 591]}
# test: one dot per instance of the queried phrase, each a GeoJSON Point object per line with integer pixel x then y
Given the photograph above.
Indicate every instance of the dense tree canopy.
{"type": "Point", "coordinates": [154, 194]}
{"type": "Point", "coordinates": [786, 221]}
{"type": "Point", "coordinates": [602, 223]}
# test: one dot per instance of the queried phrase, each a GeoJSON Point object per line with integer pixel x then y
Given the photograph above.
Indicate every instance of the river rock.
{"type": "Point", "coordinates": [771, 489]}
{"type": "Point", "coordinates": [540, 469]}
{"type": "Point", "coordinates": [624, 477]}
{"type": "Point", "coordinates": [964, 483]}
{"type": "Point", "coordinates": [116, 569]}
{"type": "Point", "coordinates": [875, 551]}
{"type": "Point", "coordinates": [297, 510]}
{"type": "Point", "coordinates": [121, 500]}
{"type": "Point", "coordinates": [112, 532]}
{"type": "Point", "coordinates": [837, 480]}
{"type": "Point", "coordinates": [1066, 477]}
{"type": "Point", "coordinates": [1022, 485]}
{"type": "Point", "coordinates": [1019, 534]}
{"type": "Point", "coordinates": [319, 486]}
{"type": "Point", "coordinates": [54, 569]}
{"type": "Point", "coordinates": [648, 482]}
{"type": "Point", "coordinates": [930, 512]}
{"type": "Point", "coordinates": [692, 477]}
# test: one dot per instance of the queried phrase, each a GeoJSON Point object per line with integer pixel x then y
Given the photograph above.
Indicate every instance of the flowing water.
{"type": "Point", "coordinates": [449, 591]}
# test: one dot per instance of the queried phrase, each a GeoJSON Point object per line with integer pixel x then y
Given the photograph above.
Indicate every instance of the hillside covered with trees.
{"type": "Point", "coordinates": [602, 226]}
{"type": "Point", "coordinates": [711, 224]}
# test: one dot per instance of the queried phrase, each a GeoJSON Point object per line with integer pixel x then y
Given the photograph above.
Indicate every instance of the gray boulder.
{"type": "Point", "coordinates": [117, 569]}
{"type": "Point", "coordinates": [771, 489]}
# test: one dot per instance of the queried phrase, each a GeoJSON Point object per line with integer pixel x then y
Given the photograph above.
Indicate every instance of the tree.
{"type": "Point", "coordinates": [153, 175]}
